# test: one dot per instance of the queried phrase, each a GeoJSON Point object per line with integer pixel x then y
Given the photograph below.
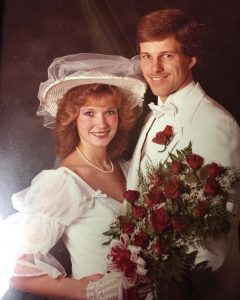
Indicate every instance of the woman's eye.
{"type": "Point", "coordinates": [88, 113]}
{"type": "Point", "coordinates": [111, 112]}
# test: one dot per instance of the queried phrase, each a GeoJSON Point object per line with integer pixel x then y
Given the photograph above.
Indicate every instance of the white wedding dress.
{"type": "Point", "coordinates": [58, 205]}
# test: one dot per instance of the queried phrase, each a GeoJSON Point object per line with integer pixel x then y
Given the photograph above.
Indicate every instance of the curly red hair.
{"type": "Point", "coordinates": [66, 133]}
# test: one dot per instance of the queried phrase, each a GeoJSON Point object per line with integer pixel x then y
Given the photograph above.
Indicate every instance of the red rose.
{"type": "Point", "coordinates": [160, 138]}
{"type": "Point", "coordinates": [214, 170]}
{"type": "Point", "coordinates": [158, 248]}
{"type": "Point", "coordinates": [176, 167]}
{"type": "Point", "coordinates": [128, 227]}
{"type": "Point", "coordinates": [138, 212]}
{"type": "Point", "coordinates": [195, 161]}
{"type": "Point", "coordinates": [160, 219]}
{"type": "Point", "coordinates": [131, 195]}
{"type": "Point", "coordinates": [212, 187]}
{"type": "Point", "coordinates": [178, 224]}
{"type": "Point", "coordinates": [168, 131]}
{"type": "Point", "coordinates": [141, 239]}
{"type": "Point", "coordinates": [155, 196]}
{"type": "Point", "coordinates": [163, 137]}
{"type": "Point", "coordinates": [171, 188]}
{"type": "Point", "coordinates": [200, 209]}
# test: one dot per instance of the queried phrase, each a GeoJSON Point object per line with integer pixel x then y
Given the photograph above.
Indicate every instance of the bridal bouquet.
{"type": "Point", "coordinates": [180, 205]}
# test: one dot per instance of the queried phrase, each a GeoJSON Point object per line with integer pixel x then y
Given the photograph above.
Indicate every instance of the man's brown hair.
{"type": "Point", "coordinates": [160, 24]}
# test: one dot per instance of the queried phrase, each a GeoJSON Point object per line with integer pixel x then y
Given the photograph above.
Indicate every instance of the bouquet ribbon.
{"type": "Point", "coordinates": [125, 258]}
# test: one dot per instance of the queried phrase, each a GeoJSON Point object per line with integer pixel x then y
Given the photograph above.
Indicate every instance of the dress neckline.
{"type": "Point", "coordinates": [123, 203]}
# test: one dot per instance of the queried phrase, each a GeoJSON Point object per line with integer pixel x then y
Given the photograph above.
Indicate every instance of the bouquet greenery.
{"type": "Point", "coordinates": [180, 205]}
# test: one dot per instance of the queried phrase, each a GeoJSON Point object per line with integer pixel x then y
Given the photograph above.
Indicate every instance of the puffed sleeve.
{"type": "Point", "coordinates": [55, 199]}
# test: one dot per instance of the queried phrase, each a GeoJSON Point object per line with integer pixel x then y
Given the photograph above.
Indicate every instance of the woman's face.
{"type": "Point", "coordinates": [97, 121]}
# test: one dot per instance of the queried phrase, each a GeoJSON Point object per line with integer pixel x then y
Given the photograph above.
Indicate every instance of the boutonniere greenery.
{"type": "Point", "coordinates": [180, 205]}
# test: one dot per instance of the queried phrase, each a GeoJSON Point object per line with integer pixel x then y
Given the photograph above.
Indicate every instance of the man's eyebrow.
{"type": "Point", "coordinates": [160, 52]}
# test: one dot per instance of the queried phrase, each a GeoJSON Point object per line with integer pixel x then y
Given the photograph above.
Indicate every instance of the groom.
{"type": "Point", "coordinates": [169, 48]}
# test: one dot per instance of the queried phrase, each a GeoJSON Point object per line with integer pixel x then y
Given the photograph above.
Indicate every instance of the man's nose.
{"type": "Point", "coordinates": [157, 65]}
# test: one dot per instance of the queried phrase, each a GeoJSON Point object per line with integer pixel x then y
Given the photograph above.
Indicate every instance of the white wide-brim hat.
{"type": "Point", "coordinates": [85, 68]}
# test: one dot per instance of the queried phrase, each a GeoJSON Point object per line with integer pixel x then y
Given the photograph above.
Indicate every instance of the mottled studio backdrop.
{"type": "Point", "coordinates": [33, 32]}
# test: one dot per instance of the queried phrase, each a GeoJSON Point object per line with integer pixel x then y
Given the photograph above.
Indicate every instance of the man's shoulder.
{"type": "Point", "coordinates": [210, 109]}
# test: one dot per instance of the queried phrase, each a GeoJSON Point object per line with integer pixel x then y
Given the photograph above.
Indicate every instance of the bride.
{"type": "Point", "coordinates": [93, 99]}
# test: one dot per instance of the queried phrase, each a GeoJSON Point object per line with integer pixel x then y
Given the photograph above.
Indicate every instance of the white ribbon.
{"type": "Point", "coordinates": [167, 108]}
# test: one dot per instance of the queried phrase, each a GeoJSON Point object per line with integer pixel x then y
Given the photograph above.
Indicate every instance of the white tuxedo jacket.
{"type": "Point", "coordinates": [215, 135]}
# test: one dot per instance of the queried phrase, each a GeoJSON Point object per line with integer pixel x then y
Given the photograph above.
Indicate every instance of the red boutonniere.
{"type": "Point", "coordinates": [164, 137]}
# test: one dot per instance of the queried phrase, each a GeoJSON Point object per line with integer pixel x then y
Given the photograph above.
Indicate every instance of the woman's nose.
{"type": "Point", "coordinates": [101, 121]}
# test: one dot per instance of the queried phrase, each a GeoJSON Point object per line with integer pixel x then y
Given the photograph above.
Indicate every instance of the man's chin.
{"type": "Point", "coordinates": [159, 93]}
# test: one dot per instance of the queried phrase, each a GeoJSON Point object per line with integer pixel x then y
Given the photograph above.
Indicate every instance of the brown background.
{"type": "Point", "coordinates": [33, 32]}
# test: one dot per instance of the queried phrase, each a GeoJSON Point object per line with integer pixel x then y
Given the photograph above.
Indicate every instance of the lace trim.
{"type": "Point", "coordinates": [110, 287]}
{"type": "Point", "coordinates": [118, 209]}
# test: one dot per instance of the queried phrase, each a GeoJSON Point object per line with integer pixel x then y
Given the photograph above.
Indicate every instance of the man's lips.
{"type": "Point", "coordinates": [159, 77]}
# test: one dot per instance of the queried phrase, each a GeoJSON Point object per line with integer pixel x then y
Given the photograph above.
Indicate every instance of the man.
{"type": "Point", "coordinates": [169, 47]}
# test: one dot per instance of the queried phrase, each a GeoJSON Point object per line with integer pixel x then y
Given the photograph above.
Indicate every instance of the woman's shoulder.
{"type": "Point", "coordinates": [52, 180]}
{"type": "Point", "coordinates": [55, 193]}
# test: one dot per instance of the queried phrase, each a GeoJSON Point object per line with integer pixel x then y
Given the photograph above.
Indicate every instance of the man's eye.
{"type": "Point", "coordinates": [145, 56]}
{"type": "Point", "coordinates": [168, 55]}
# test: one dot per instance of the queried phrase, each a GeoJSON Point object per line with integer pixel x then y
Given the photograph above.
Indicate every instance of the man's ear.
{"type": "Point", "coordinates": [192, 61]}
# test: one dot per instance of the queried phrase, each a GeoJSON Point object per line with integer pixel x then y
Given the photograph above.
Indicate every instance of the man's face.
{"type": "Point", "coordinates": [165, 67]}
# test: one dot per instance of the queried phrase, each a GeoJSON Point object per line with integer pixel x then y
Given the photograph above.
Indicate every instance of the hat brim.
{"type": "Point", "coordinates": [133, 89]}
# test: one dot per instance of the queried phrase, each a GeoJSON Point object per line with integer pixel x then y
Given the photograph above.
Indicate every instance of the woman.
{"type": "Point", "coordinates": [93, 101]}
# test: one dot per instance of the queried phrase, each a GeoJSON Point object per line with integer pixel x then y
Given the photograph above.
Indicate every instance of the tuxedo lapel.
{"type": "Point", "coordinates": [132, 180]}
{"type": "Point", "coordinates": [187, 113]}
{"type": "Point", "coordinates": [190, 105]}
{"type": "Point", "coordinates": [182, 128]}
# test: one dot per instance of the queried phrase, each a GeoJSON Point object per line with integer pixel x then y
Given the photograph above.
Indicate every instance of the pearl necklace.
{"type": "Point", "coordinates": [94, 166]}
